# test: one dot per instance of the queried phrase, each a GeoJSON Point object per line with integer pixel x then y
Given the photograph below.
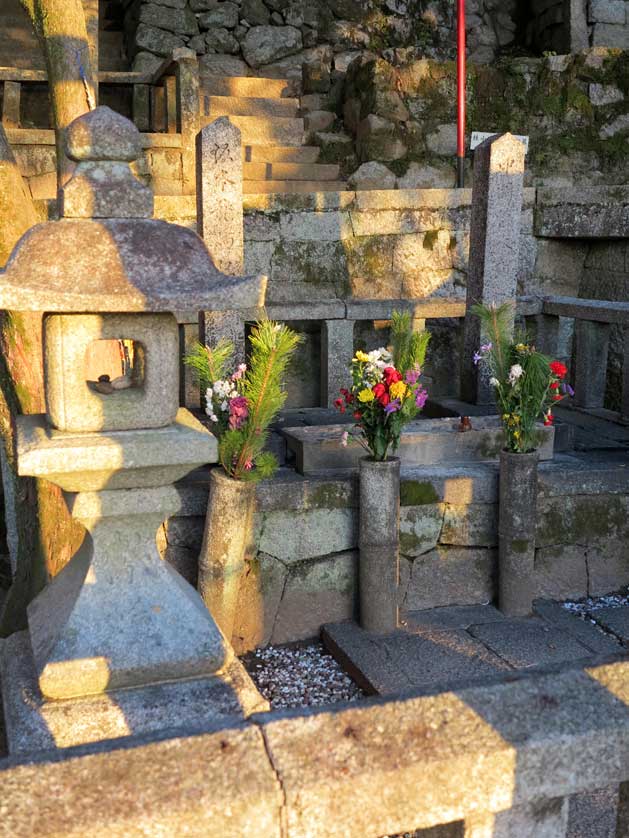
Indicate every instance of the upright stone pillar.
{"type": "Point", "coordinates": [337, 348]}
{"type": "Point", "coordinates": [220, 220]}
{"type": "Point", "coordinates": [187, 98]}
{"type": "Point", "coordinates": [590, 374]}
{"type": "Point", "coordinates": [494, 245]}
{"type": "Point", "coordinates": [577, 26]}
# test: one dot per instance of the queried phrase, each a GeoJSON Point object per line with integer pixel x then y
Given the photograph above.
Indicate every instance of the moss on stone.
{"type": "Point", "coordinates": [416, 493]}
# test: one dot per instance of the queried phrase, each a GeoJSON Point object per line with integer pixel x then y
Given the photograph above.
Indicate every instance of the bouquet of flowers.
{"type": "Point", "coordinates": [526, 383]}
{"type": "Point", "coordinates": [242, 404]}
{"type": "Point", "coordinates": [386, 392]}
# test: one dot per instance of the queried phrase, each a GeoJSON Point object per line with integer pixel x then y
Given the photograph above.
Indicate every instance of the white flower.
{"type": "Point", "coordinates": [242, 367]}
{"type": "Point", "coordinates": [224, 406]}
{"type": "Point", "coordinates": [214, 417]}
{"type": "Point", "coordinates": [515, 372]}
{"type": "Point", "coordinates": [494, 382]}
{"type": "Point", "coordinates": [344, 438]}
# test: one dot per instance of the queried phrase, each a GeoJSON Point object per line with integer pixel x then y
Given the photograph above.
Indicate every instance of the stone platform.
{"type": "Point", "coordinates": [456, 647]}
{"type": "Point", "coordinates": [34, 724]}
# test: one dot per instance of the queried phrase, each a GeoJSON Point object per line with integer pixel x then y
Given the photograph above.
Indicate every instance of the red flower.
{"type": "Point", "coordinates": [391, 375]}
{"type": "Point", "coordinates": [379, 390]}
{"type": "Point", "coordinates": [384, 399]}
{"type": "Point", "coordinates": [338, 404]}
{"type": "Point", "coordinates": [358, 415]}
{"type": "Point", "coordinates": [549, 419]}
{"type": "Point", "coordinates": [558, 369]}
{"type": "Point", "coordinates": [557, 397]}
{"type": "Point", "coordinates": [554, 385]}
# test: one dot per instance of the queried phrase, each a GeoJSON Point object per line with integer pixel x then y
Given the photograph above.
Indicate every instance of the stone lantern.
{"type": "Point", "coordinates": [116, 615]}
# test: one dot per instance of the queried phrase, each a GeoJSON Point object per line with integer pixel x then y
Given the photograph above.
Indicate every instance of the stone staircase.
{"type": "Point", "coordinates": [276, 128]}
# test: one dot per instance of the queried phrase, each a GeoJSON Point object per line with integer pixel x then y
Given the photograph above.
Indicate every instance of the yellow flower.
{"type": "Point", "coordinates": [366, 395]}
{"type": "Point", "coordinates": [397, 390]}
{"type": "Point", "coordinates": [516, 434]}
{"type": "Point", "coordinates": [521, 347]}
{"type": "Point", "coordinates": [505, 416]}
{"type": "Point", "coordinates": [361, 356]}
{"type": "Point", "coordinates": [516, 419]}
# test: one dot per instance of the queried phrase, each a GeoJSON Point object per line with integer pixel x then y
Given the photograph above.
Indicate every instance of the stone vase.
{"type": "Point", "coordinates": [379, 543]}
{"type": "Point", "coordinates": [227, 540]}
{"type": "Point", "coordinates": [516, 532]}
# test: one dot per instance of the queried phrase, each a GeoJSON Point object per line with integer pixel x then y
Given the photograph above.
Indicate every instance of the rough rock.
{"type": "Point", "coordinates": [372, 175]}
{"type": "Point", "coordinates": [265, 44]}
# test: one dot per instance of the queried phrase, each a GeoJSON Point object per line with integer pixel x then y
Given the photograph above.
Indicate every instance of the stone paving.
{"type": "Point", "coordinates": [455, 647]}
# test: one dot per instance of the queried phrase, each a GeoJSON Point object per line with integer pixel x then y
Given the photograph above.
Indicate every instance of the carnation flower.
{"type": "Point", "coordinates": [558, 369]}
{"type": "Point", "coordinates": [391, 375]}
{"type": "Point", "coordinates": [238, 412]}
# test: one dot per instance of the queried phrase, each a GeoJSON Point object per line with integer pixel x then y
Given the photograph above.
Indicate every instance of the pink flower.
{"type": "Point", "coordinates": [248, 465]}
{"type": "Point", "coordinates": [238, 412]}
{"type": "Point", "coordinates": [412, 375]}
{"type": "Point", "coordinates": [420, 398]}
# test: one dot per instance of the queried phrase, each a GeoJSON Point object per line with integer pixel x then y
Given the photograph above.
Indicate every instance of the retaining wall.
{"type": "Point", "coordinates": [304, 571]}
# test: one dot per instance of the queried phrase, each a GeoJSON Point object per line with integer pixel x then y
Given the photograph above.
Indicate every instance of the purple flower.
{"type": "Point", "coordinates": [412, 375]}
{"type": "Point", "coordinates": [392, 406]}
{"type": "Point", "coordinates": [420, 398]}
{"type": "Point", "coordinates": [486, 347]}
{"type": "Point", "coordinates": [477, 357]}
{"type": "Point", "coordinates": [566, 389]}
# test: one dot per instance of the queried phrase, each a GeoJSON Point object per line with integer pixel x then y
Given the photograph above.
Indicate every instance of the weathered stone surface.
{"type": "Point", "coordinates": [295, 536]}
{"type": "Point", "coordinates": [220, 15]}
{"type": "Point", "coordinates": [582, 630]}
{"type": "Point", "coordinates": [473, 525]}
{"type": "Point", "coordinates": [265, 44]}
{"type": "Point", "coordinates": [403, 661]}
{"type": "Point", "coordinates": [105, 189]}
{"type": "Point", "coordinates": [607, 566]}
{"type": "Point", "coordinates": [316, 592]}
{"type": "Point", "coordinates": [337, 345]}
{"type": "Point", "coordinates": [73, 405]}
{"type": "Point", "coordinates": [116, 460]}
{"type": "Point", "coordinates": [544, 820]}
{"type": "Point", "coordinates": [452, 576]}
{"type": "Point", "coordinates": [34, 724]}
{"type": "Point", "coordinates": [605, 94]}
{"type": "Point", "coordinates": [255, 12]}
{"type": "Point", "coordinates": [425, 176]}
{"type": "Point", "coordinates": [156, 40]}
{"type": "Point", "coordinates": [561, 571]}
{"type": "Point", "coordinates": [372, 175]}
{"type": "Point", "coordinates": [451, 617]}
{"type": "Point", "coordinates": [221, 40]}
{"type": "Point", "coordinates": [261, 590]}
{"type": "Point", "coordinates": [443, 140]}
{"type": "Point", "coordinates": [102, 134]}
{"type": "Point", "coordinates": [420, 528]}
{"type": "Point", "coordinates": [377, 139]}
{"type": "Point", "coordinates": [494, 240]}
{"type": "Point", "coordinates": [219, 194]}
{"type": "Point", "coordinates": [180, 21]}
{"type": "Point", "coordinates": [529, 642]}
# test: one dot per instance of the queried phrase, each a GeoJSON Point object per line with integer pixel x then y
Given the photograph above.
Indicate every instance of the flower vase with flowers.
{"type": "Point", "coordinates": [386, 392]}
{"type": "Point", "coordinates": [527, 384]}
{"type": "Point", "coordinates": [241, 405]}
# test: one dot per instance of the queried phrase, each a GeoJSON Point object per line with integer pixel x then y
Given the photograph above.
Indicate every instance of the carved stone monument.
{"type": "Point", "coordinates": [116, 616]}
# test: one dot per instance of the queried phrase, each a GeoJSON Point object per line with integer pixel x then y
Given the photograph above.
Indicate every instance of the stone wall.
{"type": "Point", "coordinates": [304, 572]}
{"type": "Point", "coordinates": [574, 108]}
{"type": "Point", "coordinates": [275, 37]}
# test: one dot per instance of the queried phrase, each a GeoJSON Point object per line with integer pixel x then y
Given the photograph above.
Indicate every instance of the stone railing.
{"type": "Point", "coordinates": [163, 105]}
{"type": "Point", "coordinates": [499, 759]}
{"type": "Point", "coordinates": [593, 321]}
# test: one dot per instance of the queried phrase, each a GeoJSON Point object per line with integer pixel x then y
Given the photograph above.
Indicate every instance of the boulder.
{"type": "Point", "coordinates": [222, 65]}
{"type": "Point", "coordinates": [372, 175]}
{"type": "Point", "coordinates": [180, 21]}
{"type": "Point", "coordinates": [443, 140]}
{"type": "Point", "coordinates": [427, 176]}
{"type": "Point", "coordinates": [255, 12]}
{"type": "Point", "coordinates": [157, 41]}
{"type": "Point", "coordinates": [265, 44]}
{"type": "Point", "coordinates": [223, 15]}
{"type": "Point", "coordinates": [222, 40]}
{"type": "Point", "coordinates": [378, 139]}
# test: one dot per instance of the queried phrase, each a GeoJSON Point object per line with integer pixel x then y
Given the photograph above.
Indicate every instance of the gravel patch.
{"type": "Point", "coordinates": [586, 608]}
{"type": "Point", "coordinates": [300, 676]}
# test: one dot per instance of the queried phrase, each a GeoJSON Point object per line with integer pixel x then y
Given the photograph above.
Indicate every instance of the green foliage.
{"type": "Point", "coordinates": [408, 347]}
{"type": "Point", "coordinates": [242, 452]}
{"type": "Point", "coordinates": [525, 381]}
{"type": "Point", "coordinates": [210, 364]}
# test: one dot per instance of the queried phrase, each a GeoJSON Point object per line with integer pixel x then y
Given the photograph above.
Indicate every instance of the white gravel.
{"type": "Point", "coordinates": [304, 676]}
{"type": "Point", "coordinates": [585, 607]}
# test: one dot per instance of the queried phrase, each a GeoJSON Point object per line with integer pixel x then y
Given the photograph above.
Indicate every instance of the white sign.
{"type": "Point", "coordinates": [480, 136]}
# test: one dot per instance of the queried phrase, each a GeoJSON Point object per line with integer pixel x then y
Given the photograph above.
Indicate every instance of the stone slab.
{"type": "Point", "coordinates": [404, 661]}
{"type": "Point", "coordinates": [615, 620]}
{"type": "Point", "coordinates": [116, 459]}
{"type": "Point", "coordinates": [34, 724]}
{"type": "Point", "coordinates": [583, 631]}
{"type": "Point", "coordinates": [423, 442]}
{"type": "Point", "coordinates": [451, 617]}
{"type": "Point", "coordinates": [529, 641]}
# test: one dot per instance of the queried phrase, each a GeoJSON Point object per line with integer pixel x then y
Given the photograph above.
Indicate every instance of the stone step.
{"type": "Point", "coordinates": [424, 442]}
{"type": "Point", "coordinates": [281, 154]}
{"type": "Point", "coordinates": [274, 130]}
{"type": "Point", "coordinates": [259, 187]}
{"type": "Point", "coordinates": [244, 86]}
{"type": "Point", "coordinates": [215, 106]}
{"type": "Point", "coordinates": [291, 171]}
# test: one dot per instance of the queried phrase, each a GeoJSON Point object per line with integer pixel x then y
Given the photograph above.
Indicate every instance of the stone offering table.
{"type": "Point", "coordinates": [116, 616]}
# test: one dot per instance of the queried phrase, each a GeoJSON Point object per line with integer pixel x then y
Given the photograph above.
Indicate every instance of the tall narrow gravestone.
{"type": "Point", "coordinates": [117, 616]}
{"type": "Point", "coordinates": [220, 220]}
{"type": "Point", "coordinates": [494, 245]}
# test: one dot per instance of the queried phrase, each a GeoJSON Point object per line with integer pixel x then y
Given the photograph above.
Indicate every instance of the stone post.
{"type": "Point", "coordinates": [220, 220]}
{"type": "Point", "coordinates": [337, 348]}
{"type": "Point", "coordinates": [577, 25]}
{"type": "Point", "coordinates": [624, 409]}
{"type": "Point", "coordinates": [378, 541]}
{"type": "Point", "coordinates": [494, 245]}
{"type": "Point", "coordinates": [590, 374]}
{"type": "Point", "coordinates": [517, 515]}
{"type": "Point", "coordinates": [187, 75]}
{"type": "Point", "coordinates": [547, 334]}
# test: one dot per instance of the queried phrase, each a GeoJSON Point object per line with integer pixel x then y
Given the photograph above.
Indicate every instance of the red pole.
{"type": "Point", "coordinates": [460, 95]}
